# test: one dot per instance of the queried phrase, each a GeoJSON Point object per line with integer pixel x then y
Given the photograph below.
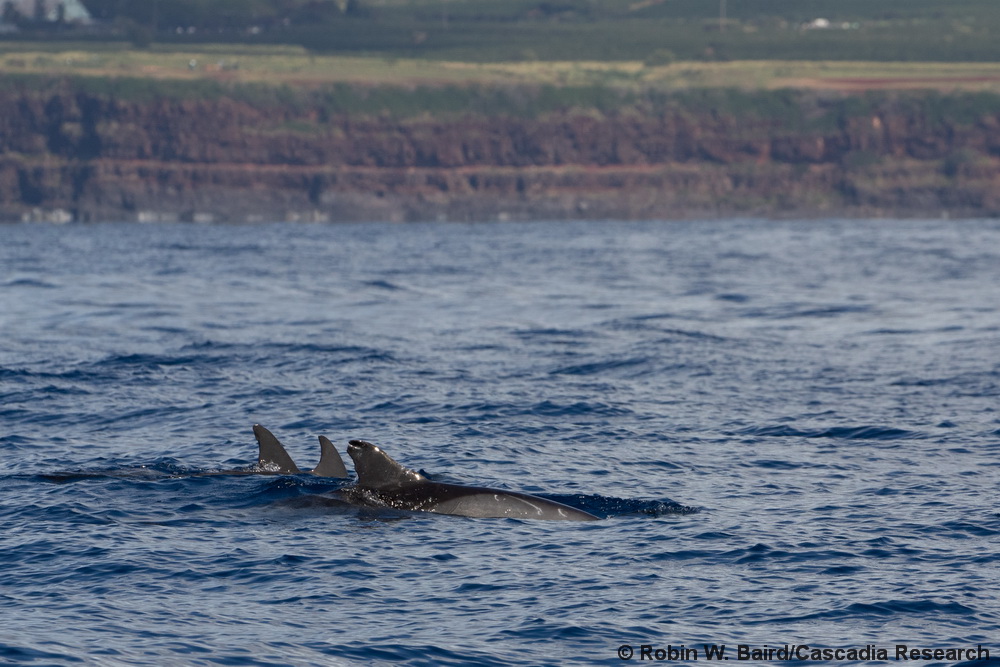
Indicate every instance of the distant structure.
{"type": "Point", "coordinates": [67, 11]}
{"type": "Point", "coordinates": [827, 24]}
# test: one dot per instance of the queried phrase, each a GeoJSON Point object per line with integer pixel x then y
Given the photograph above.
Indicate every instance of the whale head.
{"type": "Point", "coordinates": [378, 470]}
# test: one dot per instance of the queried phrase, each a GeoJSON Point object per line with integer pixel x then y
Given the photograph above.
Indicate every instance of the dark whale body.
{"type": "Point", "coordinates": [383, 481]}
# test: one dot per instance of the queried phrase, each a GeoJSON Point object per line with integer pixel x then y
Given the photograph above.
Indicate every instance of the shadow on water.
{"type": "Point", "coordinates": [248, 487]}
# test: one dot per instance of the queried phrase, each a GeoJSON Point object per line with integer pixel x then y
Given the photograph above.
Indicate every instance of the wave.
{"type": "Point", "coordinates": [20, 374]}
{"type": "Point", "coordinates": [835, 432]}
{"type": "Point", "coordinates": [384, 285]}
{"type": "Point", "coordinates": [412, 408]}
{"type": "Point", "coordinates": [28, 654]}
{"type": "Point", "coordinates": [797, 310]}
{"type": "Point", "coordinates": [868, 610]}
{"type": "Point", "coordinates": [29, 282]}
{"type": "Point", "coordinates": [603, 367]}
{"type": "Point", "coordinates": [576, 408]}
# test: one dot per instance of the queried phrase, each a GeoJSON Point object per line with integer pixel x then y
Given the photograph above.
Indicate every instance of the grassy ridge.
{"type": "Point", "coordinates": [220, 65]}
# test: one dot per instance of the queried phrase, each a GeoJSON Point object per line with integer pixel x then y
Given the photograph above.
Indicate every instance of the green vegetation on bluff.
{"type": "Point", "coordinates": [168, 67]}
{"type": "Point", "coordinates": [509, 30]}
{"type": "Point", "coordinates": [309, 109]}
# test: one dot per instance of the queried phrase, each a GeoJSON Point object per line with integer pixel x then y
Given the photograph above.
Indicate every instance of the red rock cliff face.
{"type": "Point", "coordinates": [72, 155]}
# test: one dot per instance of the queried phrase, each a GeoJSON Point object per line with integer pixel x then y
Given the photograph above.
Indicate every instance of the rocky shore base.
{"type": "Point", "coordinates": [250, 193]}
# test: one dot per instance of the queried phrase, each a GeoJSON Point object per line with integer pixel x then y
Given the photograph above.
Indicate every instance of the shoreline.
{"type": "Point", "coordinates": [149, 192]}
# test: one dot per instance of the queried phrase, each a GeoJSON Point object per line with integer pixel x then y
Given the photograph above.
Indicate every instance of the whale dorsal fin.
{"type": "Point", "coordinates": [378, 470]}
{"type": "Point", "coordinates": [330, 464]}
{"type": "Point", "coordinates": [272, 457]}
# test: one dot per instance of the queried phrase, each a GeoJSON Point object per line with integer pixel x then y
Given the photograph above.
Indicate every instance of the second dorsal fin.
{"type": "Point", "coordinates": [330, 464]}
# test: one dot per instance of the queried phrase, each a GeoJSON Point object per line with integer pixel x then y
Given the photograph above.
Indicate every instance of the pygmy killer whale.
{"type": "Point", "coordinates": [272, 457]}
{"type": "Point", "coordinates": [384, 481]}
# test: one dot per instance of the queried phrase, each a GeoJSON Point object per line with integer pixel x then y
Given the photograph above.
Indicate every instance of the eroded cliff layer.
{"type": "Point", "coordinates": [69, 153]}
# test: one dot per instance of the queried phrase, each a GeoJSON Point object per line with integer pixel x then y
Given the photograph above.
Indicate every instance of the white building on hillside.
{"type": "Point", "coordinates": [71, 11]}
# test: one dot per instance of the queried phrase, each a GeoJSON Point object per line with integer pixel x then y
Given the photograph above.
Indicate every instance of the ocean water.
{"type": "Point", "coordinates": [790, 429]}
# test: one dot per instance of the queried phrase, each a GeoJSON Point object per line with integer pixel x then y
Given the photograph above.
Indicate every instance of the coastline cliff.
{"type": "Point", "coordinates": [70, 151]}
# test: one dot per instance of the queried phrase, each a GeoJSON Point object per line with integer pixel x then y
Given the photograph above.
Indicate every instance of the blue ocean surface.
{"type": "Point", "coordinates": [790, 430]}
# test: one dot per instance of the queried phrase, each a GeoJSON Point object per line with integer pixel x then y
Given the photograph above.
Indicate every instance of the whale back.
{"type": "Point", "coordinates": [271, 456]}
{"type": "Point", "coordinates": [496, 503]}
{"type": "Point", "coordinates": [378, 470]}
{"type": "Point", "coordinates": [480, 502]}
{"type": "Point", "coordinates": [330, 464]}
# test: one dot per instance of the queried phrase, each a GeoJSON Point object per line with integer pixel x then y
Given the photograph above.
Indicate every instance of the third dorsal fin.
{"type": "Point", "coordinates": [378, 470]}
{"type": "Point", "coordinates": [330, 464]}
{"type": "Point", "coordinates": [272, 456]}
